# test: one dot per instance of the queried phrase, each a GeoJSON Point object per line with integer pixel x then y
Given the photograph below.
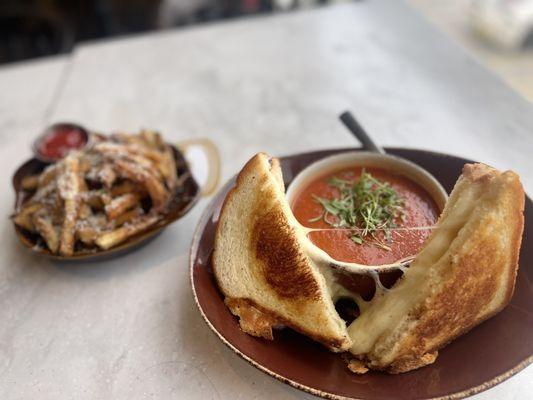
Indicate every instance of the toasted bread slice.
{"type": "Point", "coordinates": [464, 274]}
{"type": "Point", "coordinates": [261, 267]}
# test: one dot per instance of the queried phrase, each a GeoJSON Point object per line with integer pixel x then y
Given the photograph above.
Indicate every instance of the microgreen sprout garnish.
{"type": "Point", "coordinates": [367, 205]}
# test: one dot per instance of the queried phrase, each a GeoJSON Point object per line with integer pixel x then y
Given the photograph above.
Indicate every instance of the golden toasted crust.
{"type": "Point", "coordinates": [259, 321]}
{"type": "Point", "coordinates": [260, 266]}
{"type": "Point", "coordinates": [410, 363]}
{"type": "Point", "coordinates": [251, 319]}
{"type": "Point", "coordinates": [285, 266]}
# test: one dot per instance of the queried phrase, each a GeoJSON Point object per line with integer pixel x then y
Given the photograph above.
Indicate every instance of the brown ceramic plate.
{"type": "Point", "coordinates": [183, 200]}
{"type": "Point", "coordinates": [487, 355]}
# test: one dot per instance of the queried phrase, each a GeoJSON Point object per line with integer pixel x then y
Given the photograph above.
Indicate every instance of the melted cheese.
{"type": "Point", "coordinates": [385, 313]}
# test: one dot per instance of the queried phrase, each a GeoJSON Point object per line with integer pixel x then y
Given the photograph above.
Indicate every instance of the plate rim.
{"type": "Point", "coordinates": [206, 214]}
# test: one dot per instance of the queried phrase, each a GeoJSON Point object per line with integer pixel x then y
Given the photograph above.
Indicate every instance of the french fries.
{"type": "Point", "coordinates": [30, 182]}
{"type": "Point", "coordinates": [107, 175]}
{"type": "Point", "coordinates": [146, 178]}
{"type": "Point", "coordinates": [123, 188]}
{"type": "Point", "coordinates": [112, 238]}
{"type": "Point", "coordinates": [95, 200]}
{"type": "Point", "coordinates": [48, 175]}
{"type": "Point", "coordinates": [86, 234]}
{"type": "Point", "coordinates": [98, 198]}
{"type": "Point", "coordinates": [128, 216]}
{"type": "Point", "coordinates": [119, 205]}
{"type": "Point", "coordinates": [24, 217]}
{"type": "Point", "coordinates": [49, 233]}
{"type": "Point", "coordinates": [69, 188]}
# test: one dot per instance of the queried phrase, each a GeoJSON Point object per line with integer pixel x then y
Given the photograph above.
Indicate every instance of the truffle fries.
{"type": "Point", "coordinates": [98, 198]}
{"type": "Point", "coordinates": [69, 185]}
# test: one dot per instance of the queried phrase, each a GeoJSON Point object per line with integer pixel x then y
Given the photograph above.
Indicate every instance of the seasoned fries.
{"type": "Point", "coordinates": [98, 198]}
{"type": "Point", "coordinates": [69, 185]}
{"type": "Point", "coordinates": [30, 182]}
{"type": "Point", "coordinates": [119, 205]}
{"type": "Point", "coordinates": [48, 231]}
{"type": "Point", "coordinates": [112, 238]}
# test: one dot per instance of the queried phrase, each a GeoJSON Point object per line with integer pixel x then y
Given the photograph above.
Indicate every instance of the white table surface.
{"type": "Point", "coordinates": [128, 327]}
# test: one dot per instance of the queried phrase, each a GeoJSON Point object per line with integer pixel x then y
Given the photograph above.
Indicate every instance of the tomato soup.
{"type": "Point", "coordinates": [418, 210]}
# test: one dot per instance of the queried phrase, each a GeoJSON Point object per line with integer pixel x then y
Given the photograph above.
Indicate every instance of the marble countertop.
{"type": "Point", "coordinates": [128, 327]}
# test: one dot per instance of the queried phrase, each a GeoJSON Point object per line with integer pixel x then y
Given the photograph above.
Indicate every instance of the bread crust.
{"type": "Point", "coordinates": [276, 263]}
{"type": "Point", "coordinates": [260, 321]}
{"type": "Point", "coordinates": [252, 319]}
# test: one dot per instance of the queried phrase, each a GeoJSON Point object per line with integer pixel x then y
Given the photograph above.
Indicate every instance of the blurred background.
{"type": "Point", "coordinates": [499, 33]}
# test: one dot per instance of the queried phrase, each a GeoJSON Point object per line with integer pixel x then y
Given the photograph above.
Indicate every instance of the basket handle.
{"type": "Point", "coordinates": [213, 161]}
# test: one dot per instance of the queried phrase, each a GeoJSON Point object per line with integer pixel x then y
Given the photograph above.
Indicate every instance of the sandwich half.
{"type": "Point", "coordinates": [261, 266]}
{"type": "Point", "coordinates": [464, 274]}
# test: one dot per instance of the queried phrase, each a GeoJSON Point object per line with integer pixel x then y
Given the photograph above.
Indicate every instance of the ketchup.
{"type": "Point", "coordinates": [60, 139]}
